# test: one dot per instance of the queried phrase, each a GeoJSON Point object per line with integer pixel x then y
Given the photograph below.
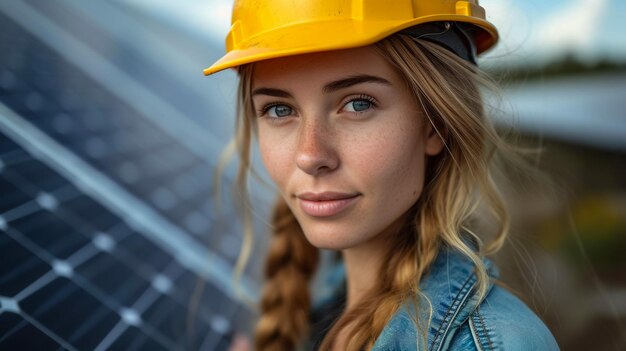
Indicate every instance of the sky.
{"type": "Point", "coordinates": [536, 31]}
{"type": "Point", "coordinates": [532, 31]}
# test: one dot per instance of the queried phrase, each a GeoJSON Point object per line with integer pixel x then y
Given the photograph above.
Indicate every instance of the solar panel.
{"type": "Point", "coordinates": [139, 148]}
{"type": "Point", "coordinates": [103, 130]}
{"type": "Point", "coordinates": [105, 211]}
{"type": "Point", "coordinates": [76, 276]}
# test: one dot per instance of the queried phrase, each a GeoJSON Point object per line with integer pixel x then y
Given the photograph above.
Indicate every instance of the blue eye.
{"type": "Point", "coordinates": [277, 111]}
{"type": "Point", "coordinates": [360, 104]}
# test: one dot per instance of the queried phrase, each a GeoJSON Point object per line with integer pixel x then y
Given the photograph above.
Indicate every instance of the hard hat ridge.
{"type": "Point", "coordinates": [265, 29]}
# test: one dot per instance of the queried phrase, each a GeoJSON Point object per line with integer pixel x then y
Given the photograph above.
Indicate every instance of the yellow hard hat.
{"type": "Point", "coordinates": [265, 29]}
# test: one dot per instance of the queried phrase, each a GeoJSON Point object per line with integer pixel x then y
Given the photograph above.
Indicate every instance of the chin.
{"type": "Point", "coordinates": [331, 239]}
{"type": "Point", "coordinates": [335, 245]}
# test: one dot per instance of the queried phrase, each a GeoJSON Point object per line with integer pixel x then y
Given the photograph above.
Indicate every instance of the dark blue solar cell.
{"type": "Point", "coordinates": [18, 267]}
{"type": "Point", "coordinates": [37, 173]}
{"type": "Point", "coordinates": [52, 233]}
{"type": "Point", "coordinates": [143, 253]}
{"type": "Point", "coordinates": [85, 208]}
{"type": "Point", "coordinates": [114, 278]}
{"type": "Point", "coordinates": [135, 339]}
{"type": "Point", "coordinates": [19, 333]}
{"type": "Point", "coordinates": [11, 195]}
{"type": "Point", "coordinates": [7, 146]}
{"type": "Point", "coordinates": [72, 313]}
{"type": "Point", "coordinates": [177, 322]}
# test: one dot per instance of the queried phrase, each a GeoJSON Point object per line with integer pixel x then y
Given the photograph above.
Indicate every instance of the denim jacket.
{"type": "Point", "coordinates": [459, 320]}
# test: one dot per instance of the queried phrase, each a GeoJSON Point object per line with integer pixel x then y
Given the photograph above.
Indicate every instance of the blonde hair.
{"type": "Point", "coordinates": [457, 182]}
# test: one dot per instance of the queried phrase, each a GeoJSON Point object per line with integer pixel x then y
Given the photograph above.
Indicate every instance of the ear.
{"type": "Point", "coordinates": [434, 139]}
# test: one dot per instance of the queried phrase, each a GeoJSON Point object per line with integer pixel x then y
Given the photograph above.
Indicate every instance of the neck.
{"type": "Point", "coordinates": [363, 265]}
{"type": "Point", "coordinates": [362, 268]}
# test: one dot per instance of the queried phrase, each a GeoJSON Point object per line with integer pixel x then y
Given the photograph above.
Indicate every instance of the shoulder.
{"type": "Point", "coordinates": [400, 334]}
{"type": "Point", "coordinates": [449, 315]}
{"type": "Point", "coordinates": [500, 322]}
{"type": "Point", "coordinates": [504, 322]}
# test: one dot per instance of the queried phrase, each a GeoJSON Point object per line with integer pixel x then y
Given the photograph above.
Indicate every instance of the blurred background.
{"type": "Point", "coordinates": [110, 235]}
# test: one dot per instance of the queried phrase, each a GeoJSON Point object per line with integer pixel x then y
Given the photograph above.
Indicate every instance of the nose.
{"type": "Point", "coordinates": [316, 153]}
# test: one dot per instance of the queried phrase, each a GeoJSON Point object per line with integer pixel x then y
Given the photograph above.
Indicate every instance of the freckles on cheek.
{"type": "Point", "coordinates": [278, 161]}
{"type": "Point", "coordinates": [398, 165]}
{"type": "Point", "coordinates": [264, 150]}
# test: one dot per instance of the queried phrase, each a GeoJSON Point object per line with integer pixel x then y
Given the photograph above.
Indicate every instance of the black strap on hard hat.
{"type": "Point", "coordinates": [453, 36]}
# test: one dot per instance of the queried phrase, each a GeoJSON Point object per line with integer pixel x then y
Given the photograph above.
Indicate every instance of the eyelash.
{"type": "Point", "coordinates": [262, 112]}
{"type": "Point", "coordinates": [362, 97]}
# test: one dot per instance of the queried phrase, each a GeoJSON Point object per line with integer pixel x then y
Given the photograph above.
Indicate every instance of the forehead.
{"type": "Point", "coordinates": [319, 68]}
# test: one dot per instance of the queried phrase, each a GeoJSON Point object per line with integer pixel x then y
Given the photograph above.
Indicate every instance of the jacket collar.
{"type": "Point", "coordinates": [448, 298]}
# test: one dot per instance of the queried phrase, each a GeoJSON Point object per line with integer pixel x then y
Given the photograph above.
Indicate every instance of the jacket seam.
{"type": "Point", "coordinates": [484, 326]}
{"type": "Point", "coordinates": [454, 305]}
{"type": "Point", "coordinates": [475, 335]}
{"type": "Point", "coordinates": [482, 330]}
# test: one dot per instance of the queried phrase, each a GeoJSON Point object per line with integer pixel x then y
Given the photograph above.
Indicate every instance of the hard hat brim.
{"type": "Point", "coordinates": [335, 35]}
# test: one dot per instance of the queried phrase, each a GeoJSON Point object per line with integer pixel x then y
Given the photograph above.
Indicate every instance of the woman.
{"type": "Point", "coordinates": [370, 122]}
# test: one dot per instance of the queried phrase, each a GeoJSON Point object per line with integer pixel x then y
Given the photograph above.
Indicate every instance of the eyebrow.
{"type": "Point", "coordinates": [271, 92]}
{"type": "Point", "coordinates": [353, 80]}
{"type": "Point", "coordinates": [328, 88]}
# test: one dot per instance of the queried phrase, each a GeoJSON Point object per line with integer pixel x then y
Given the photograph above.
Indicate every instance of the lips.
{"type": "Point", "coordinates": [325, 204]}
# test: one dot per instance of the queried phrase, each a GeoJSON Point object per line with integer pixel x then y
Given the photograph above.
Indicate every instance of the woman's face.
{"type": "Point", "coordinates": [343, 139]}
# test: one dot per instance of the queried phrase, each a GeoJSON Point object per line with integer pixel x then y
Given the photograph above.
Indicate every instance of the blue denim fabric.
{"type": "Point", "coordinates": [459, 320]}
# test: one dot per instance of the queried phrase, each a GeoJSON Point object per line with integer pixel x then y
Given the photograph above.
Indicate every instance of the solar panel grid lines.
{"type": "Point", "coordinates": [67, 308]}
{"type": "Point", "coordinates": [108, 191]}
{"type": "Point", "coordinates": [76, 219]}
{"type": "Point", "coordinates": [131, 317]}
{"type": "Point", "coordinates": [133, 274]}
{"type": "Point", "coordinates": [60, 208]}
{"type": "Point", "coordinates": [74, 282]}
{"type": "Point", "coordinates": [148, 158]}
{"type": "Point", "coordinates": [91, 25]}
{"type": "Point", "coordinates": [125, 88]}
{"type": "Point", "coordinates": [29, 331]}
{"type": "Point", "coordinates": [20, 269]}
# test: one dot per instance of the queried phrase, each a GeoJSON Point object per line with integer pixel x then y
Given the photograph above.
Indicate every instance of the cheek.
{"type": "Point", "coordinates": [275, 156]}
{"type": "Point", "coordinates": [394, 163]}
